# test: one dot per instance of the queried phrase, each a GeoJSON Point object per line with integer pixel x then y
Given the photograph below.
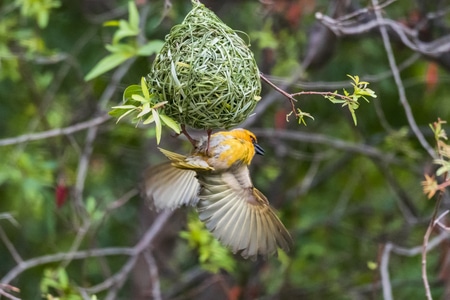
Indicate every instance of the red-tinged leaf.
{"type": "Point", "coordinates": [234, 293]}
{"type": "Point", "coordinates": [280, 119]}
{"type": "Point", "coordinates": [432, 76]}
{"type": "Point", "coordinates": [61, 193]}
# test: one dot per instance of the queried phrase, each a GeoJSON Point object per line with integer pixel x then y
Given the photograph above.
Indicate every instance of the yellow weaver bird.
{"type": "Point", "coordinates": [215, 179]}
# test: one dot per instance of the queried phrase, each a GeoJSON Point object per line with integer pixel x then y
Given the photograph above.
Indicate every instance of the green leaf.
{"type": "Point", "coordinates": [125, 30]}
{"type": "Point", "coordinates": [133, 15]}
{"type": "Point", "coordinates": [144, 88]}
{"type": "Point", "coordinates": [107, 63]}
{"type": "Point", "coordinates": [149, 120]}
{"type": "Point", "coordinates": [124, 115]}
{"type": "Point", "coordinates": [171, 123]}
{"type": "Point", "coordinates": [352, 111]}
{"type": "Point", "coordinates": [139, 98]}
{"type": "Point", "coordinates": [63, 278]}
{"type": "Point", "coordinates": [145, 110]}
{"type": "Point", "coordinates": [112, 23]}
{"type": "Point", "coordinates": [130, 91]}
{"type": "Point", "coordinates": [150, 48]}
{"type": "Point", "coordinates": [126, 107]}
{"type": "Point", "coordinates": [116, 112]}
{"type": "Point", "coordinates": [124, 48]}
{"type": "Point", "coordinates": [158, 125]}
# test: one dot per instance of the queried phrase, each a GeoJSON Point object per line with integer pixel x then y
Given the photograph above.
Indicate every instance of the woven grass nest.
{"type": "Point", "coordinates": [206, 73]}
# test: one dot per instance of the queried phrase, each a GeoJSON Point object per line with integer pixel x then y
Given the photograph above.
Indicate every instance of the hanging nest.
{"type": "Point", "coordinates": [206, 73]}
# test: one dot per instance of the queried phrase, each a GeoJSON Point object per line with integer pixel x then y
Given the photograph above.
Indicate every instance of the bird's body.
{"type": "Point", "coordinates": [215, 178]}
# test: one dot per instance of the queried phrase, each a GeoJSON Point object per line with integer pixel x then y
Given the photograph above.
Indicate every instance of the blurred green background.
{"type": "Point", "coordinates": [76, 190]}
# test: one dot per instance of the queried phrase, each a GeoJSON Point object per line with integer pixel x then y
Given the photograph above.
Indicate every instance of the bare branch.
{"type": "Point", "coordinates": [147, 239]}
{"type": "Point", "coordinates": [55, 132]}
{"type": "Point", "coordinates": [325, 140]}
{"type": "Point", "coordinates": [7, 295]}
{"type": "Point", "coordinates": [83, 166]}
{"type": "Point", "coordinates": [82, 231]}
{"type": "Point", "coordinates": [406, 35]}
{"type": "Point", "coordinates": [51, 258]}
{"type": "Point", "coordinates": [9, 217]}
{"type": "Point", "coordinates": [384, 272]}
{"type": "Point", "coordinates": [154, 276]}
{"type": "Point", "coordinates": [389, 247]}
{"type": "Point", "coordinates": [400, 87]}
{"type": "Point", "coordinates": [437, 221]}
{"type": "Point", "coordinates": [14, 253]}
{"type": "Point", "coordinates": [290, 97]}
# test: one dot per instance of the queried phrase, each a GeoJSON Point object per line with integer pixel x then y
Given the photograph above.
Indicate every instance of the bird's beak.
{"type": "Point", "coordinates": [258, 149]}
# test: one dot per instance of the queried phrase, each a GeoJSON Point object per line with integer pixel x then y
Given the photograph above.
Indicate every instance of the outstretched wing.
{"type": "Point", "coordinates": [239, 215]}
{"type": "Point", "coordinates": [174, 183]}
{"type": "Point", "coordinates": [170, 187]}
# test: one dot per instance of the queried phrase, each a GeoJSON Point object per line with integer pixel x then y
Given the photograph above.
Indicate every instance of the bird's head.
{"type": "Point", "coordinates": [248, 137]}
{"type": "Point", "coordinates": [238, 146]}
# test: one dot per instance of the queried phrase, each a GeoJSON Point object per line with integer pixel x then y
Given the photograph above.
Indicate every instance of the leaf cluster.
{"type": "Point", "coordinates": [121, 48]}
{"type": "Point", "coordinates": [55, 285]}
{"type": "Point", "coordinates": [351, 100]}
{"type": "Point", "coordinates": [430, 184]}
{"type": "Point", "coordinates": [212, 255]}
{"type": "Point", "coordinates": [138, 100]}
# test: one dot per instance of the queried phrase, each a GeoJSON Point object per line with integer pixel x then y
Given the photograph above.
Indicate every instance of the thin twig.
{"type": "Point", "coordinates": [401, 90]}
{"type": "Point", "coordinates": [147, 239]}
{"type": "Point", "coordinates": [10, 218]}
{"type": "Point", "coordinates": [134, 252]}
{"type": "Point", "coordinates": [426, 246]}
{"type": "Point", "coordinates": [51, 258]}
{"type": "Point", "coordinates": [7, 295]}
{"type": "Point", "coordinates": [291, 99]}
{"type": "Point", "coordinates": [326, 140]}
{"type": "Point", "coordinates": [407, 35]}
{"type": "Point", "coordinates": [83, 163]}
{"type": "Point", "coordinates": [14, 253]}
{"type": "Point", "coordinates": [55, 132]}
{"type": "Point", "coordinates": [384, 272]}
{"type": "Point", "coordinates": [437, 221]}
{"type": "Point", "coordinates": [154, 276]}
{"type": "Point", "coordinates": [82, 231]}
{"type": "Point", "coordinates": [83, 167]}
{"type": "Point", "coordinates": [391, 248]}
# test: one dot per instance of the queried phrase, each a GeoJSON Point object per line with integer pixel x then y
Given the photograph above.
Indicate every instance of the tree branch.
{"type": "Point", "coordinates": [147, 239]}
{"type": "Point", "coordinates": [134, 252]}
{"type": "Point", "coordinates": [325, 140]}
{"type": "Point", "coordinates": [55, 132]}
{"type": "Point", "coordinates": [400, 87]}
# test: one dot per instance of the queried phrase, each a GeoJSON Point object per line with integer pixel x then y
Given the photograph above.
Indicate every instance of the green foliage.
{"type": "Point", "coordinates": [336, 201]}
{"type": "Point", "coordinates": [213, 257]}
{"type": "Point", "coordinates": [38, 9]}
{"type": "Point", "coordinates": [430, 184]}
{"type": "Point", "coordinates": [360, 90]}
{"type": "Point", "coordinates": [55, 285]}
{"type": "Point", "coordinates": [123, 50]}
{"type": "Point", "coordinates": [137, 99]}
{"type": "Point", "coordinates": [398, 141]}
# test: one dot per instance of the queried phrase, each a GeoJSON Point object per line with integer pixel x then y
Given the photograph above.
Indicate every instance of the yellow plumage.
{"type": "Point", "coordinates": [217, 181]}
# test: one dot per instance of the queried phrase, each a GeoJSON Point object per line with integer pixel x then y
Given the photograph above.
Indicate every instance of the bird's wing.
{"type": "Point", "coordinates": [195, 163]}
{"type": "Point", "coordinates": [239, 215]}
{"type": "Point", "coordinates": [170, 187]}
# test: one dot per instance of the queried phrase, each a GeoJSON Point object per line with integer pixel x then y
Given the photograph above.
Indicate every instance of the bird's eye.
{"type": "Point", "coordinates": [253, 139]}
